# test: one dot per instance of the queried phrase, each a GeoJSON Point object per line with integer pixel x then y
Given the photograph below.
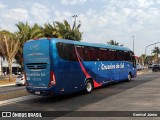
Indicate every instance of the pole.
{"type": "Point", "coordinates": [75, 16]}
{"type": "Point", "coordinates": [148, 46]}
{"type": "Point", "coordinates": [133, 43]}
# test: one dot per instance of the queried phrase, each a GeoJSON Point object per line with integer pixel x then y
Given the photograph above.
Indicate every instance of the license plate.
{"type": "Point", "coordinates": [37, 92]}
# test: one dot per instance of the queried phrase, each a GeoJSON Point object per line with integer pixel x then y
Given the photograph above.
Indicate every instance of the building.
{"type": "Point", "coordinates": [4, 69]}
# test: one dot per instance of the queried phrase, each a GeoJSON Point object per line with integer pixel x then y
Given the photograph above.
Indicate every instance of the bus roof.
{"type": "Point", "coordinates": [87, 44]}
{"type": "Point", "coordinates": [93, 44]}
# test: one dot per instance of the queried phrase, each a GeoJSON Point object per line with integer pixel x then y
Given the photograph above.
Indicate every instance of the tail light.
{"type": "Point", "coordinates": [25, 78]}
{"type": "Point", "coordinates": [52, 79]}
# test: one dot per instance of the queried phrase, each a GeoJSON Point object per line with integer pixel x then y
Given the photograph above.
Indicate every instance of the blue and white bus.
{"type": "Point", "coordinates": [56, 66]}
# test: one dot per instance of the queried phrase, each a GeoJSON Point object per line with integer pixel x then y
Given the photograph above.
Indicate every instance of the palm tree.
{"type": "Point", "coordinates": [49, 30]}
{"type": "Point", "coordinates": [113, 42]}
{"type": "Point", "coordinates": [9, 47]}
{"type": "Point", "coordinates": [63, 30]}
{"type": "Point", "coordinates": [156, 51]}
{"type": "Point", "coordinates": [142, 59]}
{"type": "Point", "coordinates": [26, 33]}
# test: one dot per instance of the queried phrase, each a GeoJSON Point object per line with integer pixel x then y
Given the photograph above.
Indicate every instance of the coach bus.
{"type": "Point", "coordinates": [56, 66]}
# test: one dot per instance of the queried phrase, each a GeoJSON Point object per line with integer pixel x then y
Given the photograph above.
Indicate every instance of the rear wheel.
{"type": "Point", "coordinates": [89, 86]}
{"type": "Point", "coordinates": [129, 77]}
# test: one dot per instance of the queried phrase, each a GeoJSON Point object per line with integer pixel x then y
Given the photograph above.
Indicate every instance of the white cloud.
{"type": "Point", "coordinates": [72, 2]}
{"type": "Point", "coordinates": [61, 15]}
{"type": "Point", "coordinates": [11, 17]}
{"type": "Point", "coordinates": [2, 6]}
{"type": "Point", "coordinates": [19, 14]}
{"type": "Point", "coordinates": [40, 13]}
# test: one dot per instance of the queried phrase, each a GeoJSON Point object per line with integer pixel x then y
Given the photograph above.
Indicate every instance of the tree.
{"type": "Point", "coordinates": [142, 59]}
{"type": "Point", "coordinates": [156, 51]}
{"type": "Point", "coordinates": [113, 42]}
{"type": "Point", "coordinates": [9, 47]}
{"type": "Point", "coordinates": [49, 30]}
{"type": "Point", "coordinates": [63, 30]}
{"type": "Point", "coordinates": [26, 33]}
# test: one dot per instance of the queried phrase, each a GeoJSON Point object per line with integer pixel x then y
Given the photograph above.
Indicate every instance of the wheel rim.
{"type": "Point", "coordinates": [89, 87]}
{"type": "Point", "coordinates": [129, 77]}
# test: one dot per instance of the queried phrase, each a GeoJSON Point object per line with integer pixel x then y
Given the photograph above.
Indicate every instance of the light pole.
{"type": "Point", "coordinates": [75, 16]}
{"type": "Point", "coordinates": [133, 43]}
{"type": "Point", "coordinates": [148, 46]}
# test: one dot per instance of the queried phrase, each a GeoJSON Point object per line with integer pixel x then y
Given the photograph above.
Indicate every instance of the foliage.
{"type": "Point", "coordinates": [11, 44]}
{"type": "Point", "coordinates": [156, 52]}
{"type": "Point", "coordinates": [26, 33]}
{"type": "Point", "coordinates": [113, 42]}
{"type": "Point", "coordinates": [63, 30]}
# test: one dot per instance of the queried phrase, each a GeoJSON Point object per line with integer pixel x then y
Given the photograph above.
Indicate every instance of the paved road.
{"type": "Point", "coordinates": [140, 94]}
{"type": "Point", "coordinates": [11, 88]}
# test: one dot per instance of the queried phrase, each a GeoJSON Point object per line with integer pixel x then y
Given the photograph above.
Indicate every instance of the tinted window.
{"type": "Point", "coordinates": [86, 53]}
{"type": "Point", "coordinates": [80, 50]}
{"type": "Point", "coordinates": [113, 55]}
{"type": "Point", "coordinates": [66, 51]}
{"type": "Point", "coordinates": [127, 56]}
{"type": "Point", "coordinates": [119, 55]}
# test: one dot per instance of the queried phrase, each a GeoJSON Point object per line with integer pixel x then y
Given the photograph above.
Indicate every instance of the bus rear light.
{"type": "Point", "coordinates": [52, 79]}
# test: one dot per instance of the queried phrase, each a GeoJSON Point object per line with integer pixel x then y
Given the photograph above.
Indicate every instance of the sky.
{"type": "Point", "coordinates": [101, 20]}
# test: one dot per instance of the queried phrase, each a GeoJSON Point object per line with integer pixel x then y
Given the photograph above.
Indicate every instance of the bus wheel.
{"type": "Point", "coordinates": [89, 86]}
{"type": "Point", "coordinates": [129, 77]}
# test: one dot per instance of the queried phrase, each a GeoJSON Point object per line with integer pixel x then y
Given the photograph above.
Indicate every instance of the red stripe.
{"type": "Point", "coordinates": [85, 72]}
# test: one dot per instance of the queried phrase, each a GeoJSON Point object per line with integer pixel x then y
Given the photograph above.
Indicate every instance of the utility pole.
{"type": "Point", "coordinates": [75, 16]}
{"type": "Point", "coordinates": [133, 43]}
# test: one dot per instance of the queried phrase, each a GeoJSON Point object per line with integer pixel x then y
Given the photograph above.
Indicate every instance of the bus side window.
{"type": "Point", "coordinates": [93, 53]}
{"type": "Point", "coordinates": [60, 50]}
{"type": "Point", "coordinates": [72, 52]}
{"type": "Point", "coordinates": [66, 51]}
{"type": "Point", "coordinates": [113, 55]}
{"type": "Point", "coordinates": [80, 51]}
{"type": "Point", "coordinates": [87, 56]}
{"type": "Point", "coordinates": [100, 55]}
{"type": "Point", "coordinates": [119, 55]}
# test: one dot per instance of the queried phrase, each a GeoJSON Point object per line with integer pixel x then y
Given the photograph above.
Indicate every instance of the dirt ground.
{"type": "Point", "coordinates": [6, 81]}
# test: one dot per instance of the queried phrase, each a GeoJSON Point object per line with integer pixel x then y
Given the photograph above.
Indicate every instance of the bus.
{"type": "Point", "coordinates": [55, 66]}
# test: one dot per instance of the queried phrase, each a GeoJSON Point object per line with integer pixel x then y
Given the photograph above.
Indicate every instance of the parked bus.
{"type": "Point", "coordinates": [56, 66]}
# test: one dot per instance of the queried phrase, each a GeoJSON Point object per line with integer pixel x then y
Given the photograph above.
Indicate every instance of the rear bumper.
{"type": "Point", "coordinates": [40, 91]}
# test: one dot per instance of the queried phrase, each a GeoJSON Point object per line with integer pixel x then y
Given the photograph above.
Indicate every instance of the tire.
{"type": "Point", "coordinates": [89, 86]}
{"type": "Point", "coordinates": [129, 77]}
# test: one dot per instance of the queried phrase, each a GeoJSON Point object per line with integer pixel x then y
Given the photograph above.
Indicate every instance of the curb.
{"type": "Point", "coordinates": [7, 85]}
